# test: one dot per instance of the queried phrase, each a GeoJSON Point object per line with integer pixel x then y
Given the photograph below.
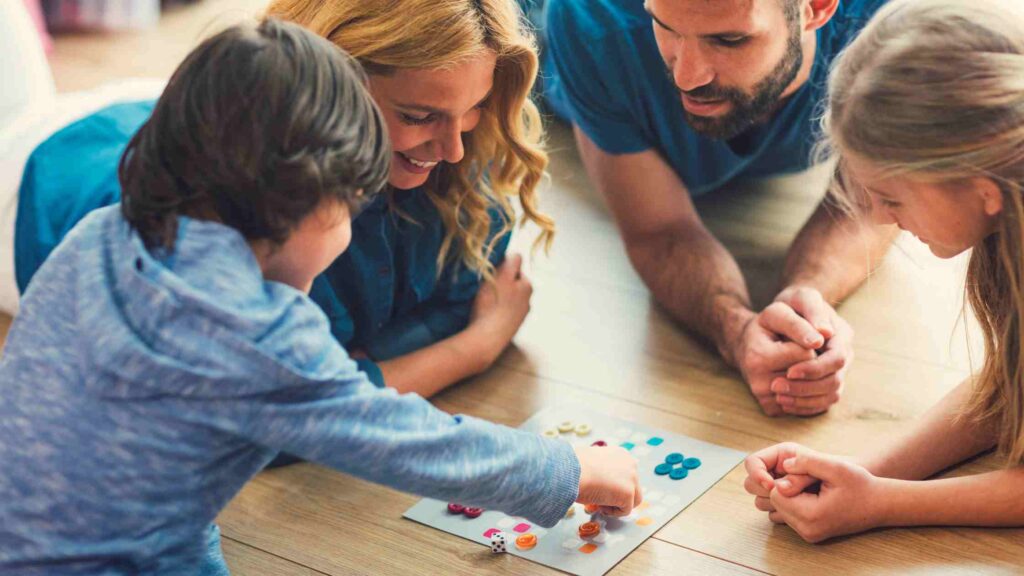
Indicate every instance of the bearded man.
{"type": "Point", "coordinates": [674, 99]}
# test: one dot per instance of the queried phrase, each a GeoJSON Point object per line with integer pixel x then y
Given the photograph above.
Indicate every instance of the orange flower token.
{"type": "Point", "coordinates": [591, 508]}
{"type": "Point", "coordinates": [589, 529]}
{"type": "Point", "coordinates": [526, 541]}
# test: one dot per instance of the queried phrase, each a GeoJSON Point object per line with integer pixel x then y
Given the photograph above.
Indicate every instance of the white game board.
{"type": "Point", "coordinates": [561, 547]}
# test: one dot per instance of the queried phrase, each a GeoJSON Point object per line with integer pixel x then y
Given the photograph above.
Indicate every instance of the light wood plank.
{"type": "Point", "coordinates": [244, 560]}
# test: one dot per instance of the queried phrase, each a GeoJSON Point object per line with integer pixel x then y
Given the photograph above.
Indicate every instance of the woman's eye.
{"type": "Point", "coordinates": [416, 120]}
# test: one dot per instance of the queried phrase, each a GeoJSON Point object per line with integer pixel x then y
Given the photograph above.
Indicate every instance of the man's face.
{"type": "Point", "coordinates": [731, 60]}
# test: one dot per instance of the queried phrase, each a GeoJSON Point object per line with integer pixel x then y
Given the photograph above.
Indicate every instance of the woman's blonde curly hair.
{"type": "Point", "coordinates": [504, 155]}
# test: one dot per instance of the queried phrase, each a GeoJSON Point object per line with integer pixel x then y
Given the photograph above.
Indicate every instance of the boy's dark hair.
{"type": "Point", "coordinates": [255, 129]}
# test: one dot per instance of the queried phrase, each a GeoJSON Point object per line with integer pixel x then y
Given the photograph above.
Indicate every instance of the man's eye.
{"type": "Point", "coordinates": [731, 41]}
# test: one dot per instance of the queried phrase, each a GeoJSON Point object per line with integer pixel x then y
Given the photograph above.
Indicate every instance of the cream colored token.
{"type": "Point", "coordinates": [550, 433]}
{"type": "Point", "coordinates": [571, 511]}
{"type": "Point", "coordinates": [566, 426]}
{"type": "Point", "coordinates": [583, 429]}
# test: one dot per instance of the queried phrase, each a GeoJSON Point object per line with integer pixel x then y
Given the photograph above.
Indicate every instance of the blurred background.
{"type": "Point", "coordinates": [89, 42]}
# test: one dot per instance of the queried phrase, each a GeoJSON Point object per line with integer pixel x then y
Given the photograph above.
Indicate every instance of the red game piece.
{"type": "Point", "coordinates": [600, 443]}
{"type": "Point", "coordinates": [456, 508]}
{"type": "Point", "coordinates": [472, 512]}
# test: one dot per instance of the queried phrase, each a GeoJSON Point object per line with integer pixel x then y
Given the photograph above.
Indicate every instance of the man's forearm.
{"type": "Point", "coordinates": [697, 281]}
{"type": "Point", "coordinates": [834, 253]}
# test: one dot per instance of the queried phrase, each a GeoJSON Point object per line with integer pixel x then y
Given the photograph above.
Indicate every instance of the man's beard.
{"type": "Point", "coordinates": [747, 109]}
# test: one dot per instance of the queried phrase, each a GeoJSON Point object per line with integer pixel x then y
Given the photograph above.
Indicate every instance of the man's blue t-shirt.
{"type": "Point", "coordinates": [605, 74]}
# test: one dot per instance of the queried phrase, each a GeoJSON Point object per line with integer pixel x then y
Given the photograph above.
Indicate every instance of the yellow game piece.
{"type": "Point", "coordinates": [583, 429]}
{"type": "Point", "coordinates": [550, 433]}
{"type": "Point", "coordinates": [570, 512]}
{"type": "Point", "coordinates": [566, 426]}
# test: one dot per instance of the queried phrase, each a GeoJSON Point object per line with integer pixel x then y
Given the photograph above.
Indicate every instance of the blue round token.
{"type": "Point", "coordinates": [662, 469]}
{"type": "Point", "coordinates": [691, 463]}
{"type": "Point", "coordinates": [678, 473]}
{"type": "Point", "coordinates": [674, 458]}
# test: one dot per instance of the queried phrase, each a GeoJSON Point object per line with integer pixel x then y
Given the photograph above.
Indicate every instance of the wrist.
{"type": "Point", "coordinates": [476, 346]}
{"type": "Point", "coordinates": [733, 318]}
{"type": "Point", "coordinates": [584, 481]}
{"type": "Point", "coordinates": [887, 502]}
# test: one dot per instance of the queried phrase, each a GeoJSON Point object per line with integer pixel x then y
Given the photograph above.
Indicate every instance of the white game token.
{"type": "Point", "coordinates": [507, 522]}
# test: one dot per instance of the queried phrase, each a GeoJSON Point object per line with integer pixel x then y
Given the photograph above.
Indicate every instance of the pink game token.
{"type": "Point", "coordinates": [600, 443]}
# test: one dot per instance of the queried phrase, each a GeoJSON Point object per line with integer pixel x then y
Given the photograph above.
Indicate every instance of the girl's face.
{"type": "Point", "coordinates": [427, 111]}
{"type": "Point", "coordinates": [950, 217]}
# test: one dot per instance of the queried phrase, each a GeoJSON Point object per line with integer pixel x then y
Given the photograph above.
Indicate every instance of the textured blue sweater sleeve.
{"type": "Point", "coordinates": [402, 441]}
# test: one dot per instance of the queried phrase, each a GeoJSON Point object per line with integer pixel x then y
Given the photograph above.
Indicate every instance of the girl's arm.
{"type": "Point", "coordinates": [990, 499]}
{"type": "Point", "coordinates": [852, 500]}
{"type": "Point", "coordinates": [938, 440]}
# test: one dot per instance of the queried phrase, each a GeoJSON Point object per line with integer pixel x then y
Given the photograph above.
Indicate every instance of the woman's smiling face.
{"type": "Point", "coordinates": [427, 111]}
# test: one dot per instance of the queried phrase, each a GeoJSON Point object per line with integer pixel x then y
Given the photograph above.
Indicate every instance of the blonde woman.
{"type": "Point", "coordinates": [452, 79]}
{"type": "Point", "coordinates": [926, 118]}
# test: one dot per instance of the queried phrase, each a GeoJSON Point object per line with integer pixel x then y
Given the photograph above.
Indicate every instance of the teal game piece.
{"type": "Point", "coordinates": [674, 458]}
{"type": "Point", "coordinates": [691, 463]}
{"type": "Point", "coordinates": [678, 473]}
{"type": "Point", "coordinates": [655, 441]}
{"type": "Point", "coordinates": [628, 445]}
{"type": "Point", "coordinates": [663, 469]}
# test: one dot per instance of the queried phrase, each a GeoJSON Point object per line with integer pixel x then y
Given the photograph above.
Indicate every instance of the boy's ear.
{"type": "Point", "coordinates": [817, 13]}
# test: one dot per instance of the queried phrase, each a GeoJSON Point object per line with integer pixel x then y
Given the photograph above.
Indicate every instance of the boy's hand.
{"type": "Point", "coordinates": [500, 308]}
{"type": "Point", "coordinates": [608, 479]}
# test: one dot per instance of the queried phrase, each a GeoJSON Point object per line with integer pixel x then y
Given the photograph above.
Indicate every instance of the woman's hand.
{"type": "Point", "coordinates": [500, 308]}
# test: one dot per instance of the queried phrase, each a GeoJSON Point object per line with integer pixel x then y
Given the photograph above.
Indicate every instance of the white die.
{"type": "Point", "coordinates": [498, 543]}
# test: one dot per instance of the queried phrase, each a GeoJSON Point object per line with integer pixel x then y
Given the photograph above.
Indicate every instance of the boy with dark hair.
{"type": "Point", "coordinates": [167, 350]}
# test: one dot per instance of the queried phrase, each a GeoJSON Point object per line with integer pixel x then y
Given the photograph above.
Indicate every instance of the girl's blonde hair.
{"type": "Point", "coordinates": [504, 155]}
{"type": "Point", "coordinates": [934, 89]}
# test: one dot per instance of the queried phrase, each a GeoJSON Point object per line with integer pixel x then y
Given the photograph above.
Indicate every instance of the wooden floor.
{"type": "Point", "coordinates": [595, 338]}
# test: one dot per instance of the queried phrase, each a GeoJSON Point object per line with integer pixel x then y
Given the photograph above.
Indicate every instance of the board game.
{"type": "Point", "coordinates": [674, 471]}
